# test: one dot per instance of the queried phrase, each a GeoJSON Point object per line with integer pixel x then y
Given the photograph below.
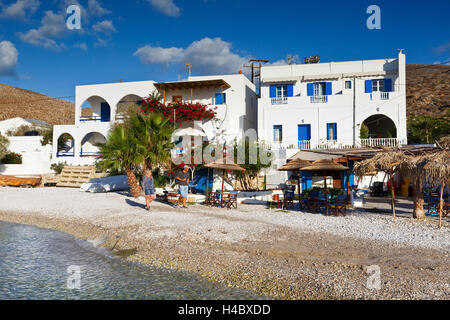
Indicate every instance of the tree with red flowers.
{"type": "Point", "coordinates": [177, 112]}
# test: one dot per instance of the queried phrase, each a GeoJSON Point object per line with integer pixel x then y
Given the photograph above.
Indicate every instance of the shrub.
{"type": "Point", "coordinates": [4, 144]}
{"type": "Point", "coordinates": [12, 158]}
{"type": "Point", "coordinates": [58, 167]}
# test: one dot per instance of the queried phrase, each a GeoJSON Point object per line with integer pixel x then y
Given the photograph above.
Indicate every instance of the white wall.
{"type": "Point", "coordinates": [36, 159]}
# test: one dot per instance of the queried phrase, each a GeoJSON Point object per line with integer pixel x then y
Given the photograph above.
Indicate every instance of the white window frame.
{"type": "Point", "coordinates": [282, 91]}
{"type": "Point", "coordinates": [378, 85]}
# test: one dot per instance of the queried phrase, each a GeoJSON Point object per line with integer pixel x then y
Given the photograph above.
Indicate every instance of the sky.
{"type": "Point", "coordinates": [138, 40]}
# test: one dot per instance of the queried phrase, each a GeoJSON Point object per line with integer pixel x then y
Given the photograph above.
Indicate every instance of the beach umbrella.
{"type": "Point", "coordinates": [220, 164]}
{"type": "Point", "coordinates": [325, 166]}
{"type": "Point", "coordinates": [387, 161]}
{"type": "Point", "coordinates": [189, 132]}
{"type": "Point", "coordinates": [433, 167]}
{"type": "Point", "coordinates": [295, 165]}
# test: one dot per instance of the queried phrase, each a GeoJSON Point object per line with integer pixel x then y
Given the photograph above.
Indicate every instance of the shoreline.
{"type": "Point", "coordinates": [242, 250]}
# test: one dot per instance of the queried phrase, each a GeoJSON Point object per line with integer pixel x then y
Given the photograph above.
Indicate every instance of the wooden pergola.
{"type": "Point", "coordinates": [192, 85]}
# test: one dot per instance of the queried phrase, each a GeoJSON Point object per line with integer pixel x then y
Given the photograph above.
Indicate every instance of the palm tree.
{"type": "Point", "coordinates": [153, 135]}
{"type": "Point", "coordinates": [120, 153]}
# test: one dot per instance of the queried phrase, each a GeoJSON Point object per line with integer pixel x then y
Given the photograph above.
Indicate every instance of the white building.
{"type": "Point", "coordinates": [323, 105]}
{"type": "Point", "coordinates": [233, 95]}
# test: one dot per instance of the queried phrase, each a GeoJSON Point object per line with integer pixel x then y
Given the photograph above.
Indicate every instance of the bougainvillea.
{"type": "Point", "coordinates": [180, 112]}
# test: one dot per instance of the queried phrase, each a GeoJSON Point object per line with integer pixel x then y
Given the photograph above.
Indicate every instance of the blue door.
{"type": "Point", "coordinates": [105, 112]}
{"type": "Point", "coordinates": [304, 136]}
{"type": "Point", "coordinates": [202, 180]}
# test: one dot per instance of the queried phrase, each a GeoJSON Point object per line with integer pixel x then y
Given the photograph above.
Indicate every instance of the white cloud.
{"type": "Point", "coordinates": [208, 56]}
{"type": "Point", "coordinates": [52, 26]}
{"type": "Point", "coordinates": [167, 7]}
{"type": "Point", "coordinates": [8, 59]}
{"type": "Point", "coordinates": [96, 9]}
{"type": "Point", "coordinates": [83, 46]}
{"type": "Point", "coordinates": [20, 10]}
{"type": "Point", "coordinates": [105, 27]}
{"type": "Point", "coordinates": [442, 49]}
{"type": "Point", "coordinates": [292, 59]}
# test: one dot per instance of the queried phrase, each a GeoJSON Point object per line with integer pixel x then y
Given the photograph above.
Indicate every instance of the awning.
{"type": "Point", "coordinates": [323, 77]}
{"type": "Point", "coordinates": [282, 79]}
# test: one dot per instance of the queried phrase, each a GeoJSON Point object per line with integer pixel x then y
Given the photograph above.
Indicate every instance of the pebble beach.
{"type": "Point", "coordinates": [278, 253]}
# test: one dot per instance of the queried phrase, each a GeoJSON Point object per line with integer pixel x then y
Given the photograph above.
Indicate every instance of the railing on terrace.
{"type": "Point", "coordinates": [84, 154]}
{"type": "Point", "coordinates": [378, 142]}
{"type": "Point", "coordinates": [279, 100]}
{"type": "Point", "coordinates": [319, 99]}
{"type": "Point", "coordinates": [90, 119]}
{"type": "Point", "coordinates": [379, 95]}
{"type": "Point", "coordinates": [61, 154]}
{"type": "Point", "coordinates": [334, 144]}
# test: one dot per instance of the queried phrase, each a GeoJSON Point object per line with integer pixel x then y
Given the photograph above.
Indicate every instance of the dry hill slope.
{"type": "Point", "coordinates": [16, 102]}
{"type": "Point", "coordinates": [427, 89]}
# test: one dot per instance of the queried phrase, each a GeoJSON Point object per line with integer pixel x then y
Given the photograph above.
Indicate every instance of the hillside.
{"type": "Point", "coordinates": [427, 89]}
{"type": "Point", "coordinates": [16, 102]}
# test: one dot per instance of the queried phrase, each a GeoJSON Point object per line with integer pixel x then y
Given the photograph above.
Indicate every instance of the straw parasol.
{"type": "Point", "coordinates": [220, 164]}
{"type": "Point", "coordinates": [325, 166]}
{"type": "Point", "coordinates": [295, 165]}
{"type": "Point", "coordinates": [387, 161]}
{"type": "Point", "coordinates": [438, 169]}
{"type": "Point", "coordinates": [432, 167]}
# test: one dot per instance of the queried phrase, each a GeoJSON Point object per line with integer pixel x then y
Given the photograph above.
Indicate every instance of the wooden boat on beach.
{"type": "Point", "coordinates": [12, 181]}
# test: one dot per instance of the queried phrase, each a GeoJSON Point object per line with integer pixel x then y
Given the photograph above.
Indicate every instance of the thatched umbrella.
{"type": "Point", "coordinates": [387, 161]}
{"type": "Point", "coordinates": [325, 166]}
{"type": "Point", "coordinates": [295, 165]}
{"type": "Point", "coordinates": [220, 164]}
{"type": "Point", "coordinates": [432, 167]}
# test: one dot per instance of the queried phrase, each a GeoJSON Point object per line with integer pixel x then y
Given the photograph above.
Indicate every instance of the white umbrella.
{"type": "Point", "coordinates": [190, 132]}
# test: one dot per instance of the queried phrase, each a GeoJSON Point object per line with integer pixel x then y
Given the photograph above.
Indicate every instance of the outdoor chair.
{"type": "Point", "coordinates": [433, 206]}
{"type": "Point", "coordinates": [209, 199]}
{"type": "Point", "coordinates": [230, 200]}
{"type": "Point", "coordinates": [278, 202]}
{"type": "Point", "coordinates": [288, 201]}
{"type": "Point", "coordinates": [339, 205]}
{"type": "Point", "coordinates": [217, 201]}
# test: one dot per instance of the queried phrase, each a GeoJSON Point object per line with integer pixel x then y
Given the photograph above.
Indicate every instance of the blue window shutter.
{"type": "Point", "coordinates": [273, 91]}
{"type": "Point", "coordinates": [368, 84]}
{"type": "Point", "coordinates": [310, 89]}
{"type": "Point", "coordinates": [387, 85]}
{"type": "Point", "coordinates": [224, 97]}
{"type": "Point", "coordinates": [328, 89]}
{"type": "Point", "coordinates": [328, 131]}
{"type": "Point", "coordinates": [335, 130]}
{"type": "Point", "coordinates": [290, 90]}
{"type": "Point", "coordinates": [217, 98]}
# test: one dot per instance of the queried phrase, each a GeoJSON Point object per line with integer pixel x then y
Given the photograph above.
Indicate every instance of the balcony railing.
{"type": "Point", "coordinates": [304, 144]}
{"type": "Point", "coordinates": [90, 119]}
{"type": "Point", "coordinates": [85, 154]}
{"type": "Point", "coordinates": [378, 142]}
{"type": "Point", "coordinates": [61, 154]}
{"type": "Point", "coordinates": [279, 100]}
{"type": "Point", "coordinates": [379, 95]}
{"type": "Point", "coordinates": [319, 99]}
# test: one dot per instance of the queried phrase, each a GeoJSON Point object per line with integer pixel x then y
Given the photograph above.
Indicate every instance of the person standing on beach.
{"type": "Point", "coordinates": [149, 188]}
{"type": "Point", "coordinates": [183, 185]}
